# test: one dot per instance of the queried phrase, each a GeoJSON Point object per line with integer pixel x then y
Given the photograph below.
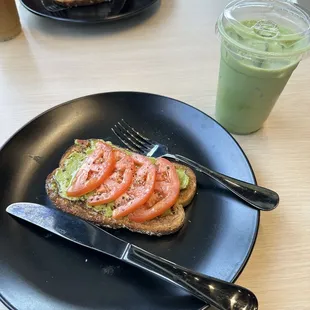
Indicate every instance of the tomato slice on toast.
{"type": "Point", "coordinates": [117, 183]}
{"type": "Point", "coordinates": [140, 190]}
{"type": "Point", "coordinates": [165, 195]}
{"type": "Point", "coordinates": [94, 170]}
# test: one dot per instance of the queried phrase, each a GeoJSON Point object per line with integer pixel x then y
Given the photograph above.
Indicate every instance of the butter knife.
{"type": "Point", "coordinates": [220, 294]}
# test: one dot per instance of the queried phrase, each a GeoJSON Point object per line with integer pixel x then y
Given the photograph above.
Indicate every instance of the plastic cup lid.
{"type": "Point", "coordinates": [273, 28]}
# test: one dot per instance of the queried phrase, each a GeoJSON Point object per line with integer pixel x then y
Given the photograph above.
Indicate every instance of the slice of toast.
{"type": "Point", "coordinates": [162, 225]}
{"type": "Point", "coordinates": [73, 3]}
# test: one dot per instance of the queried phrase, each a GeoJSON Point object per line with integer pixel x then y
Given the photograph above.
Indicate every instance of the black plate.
{"type": "Point", "coordinates": [43, 271]}
{"type": "Point", "coordinates": [100, 13]}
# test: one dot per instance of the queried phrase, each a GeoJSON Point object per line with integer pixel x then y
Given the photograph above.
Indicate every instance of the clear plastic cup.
{"type": "Point", "coordinates": [262, 42]}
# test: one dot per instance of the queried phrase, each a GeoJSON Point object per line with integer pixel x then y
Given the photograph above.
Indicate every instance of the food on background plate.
{"type": "Point", "coordinates": [73, 3]}
{"type": "Point", "coordinates": [112, 187]}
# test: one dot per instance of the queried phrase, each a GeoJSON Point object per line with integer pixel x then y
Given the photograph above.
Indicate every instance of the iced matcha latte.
{"type": "Point", "coordinates": [258, 56]}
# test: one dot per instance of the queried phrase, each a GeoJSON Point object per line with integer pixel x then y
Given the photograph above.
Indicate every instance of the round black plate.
{"type": "Point", "coordinates": [100, 13]}
{"type": "Point", "coordinates": [43, 271]}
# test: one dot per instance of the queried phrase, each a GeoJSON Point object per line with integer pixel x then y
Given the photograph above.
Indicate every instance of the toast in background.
{"type": "Point", "coordinates": [73, 3]}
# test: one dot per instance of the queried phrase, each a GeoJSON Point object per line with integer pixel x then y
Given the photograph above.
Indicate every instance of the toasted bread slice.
{"type": "Point", "coordinates": [162, 225]}
{"type": "Point", "coordinates": [73, 3]}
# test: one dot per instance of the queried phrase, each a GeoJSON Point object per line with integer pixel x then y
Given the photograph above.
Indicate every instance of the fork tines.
{"type": "Point", "coordinates": [134, 140]}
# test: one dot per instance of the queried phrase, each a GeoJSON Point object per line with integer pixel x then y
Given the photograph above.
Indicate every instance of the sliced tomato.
{"type": "Point", "coordinates": [94, 170]}
{"type": "Point", "coordinates": [140, 190]}
{"type": "Point", "coordinates": [166, 193]}
{"type": "Point", "coordinates": [117, 183]}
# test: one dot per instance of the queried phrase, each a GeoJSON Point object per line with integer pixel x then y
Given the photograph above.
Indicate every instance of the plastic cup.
{"type": "Point", "coordinates": [262, 42]}
{"type": "Point", "coordinates": [9, 20]}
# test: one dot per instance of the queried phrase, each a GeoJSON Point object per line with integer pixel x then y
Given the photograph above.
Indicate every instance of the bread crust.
{"type": "Point", "coordinates": [159, 226]}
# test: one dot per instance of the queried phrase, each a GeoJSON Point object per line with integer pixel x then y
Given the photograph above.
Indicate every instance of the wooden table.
{"type": "Point", "coordinates": [173, 51]}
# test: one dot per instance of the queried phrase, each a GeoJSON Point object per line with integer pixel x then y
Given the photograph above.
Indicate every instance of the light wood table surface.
{"type": "Point", "coordinates": [173, 51]}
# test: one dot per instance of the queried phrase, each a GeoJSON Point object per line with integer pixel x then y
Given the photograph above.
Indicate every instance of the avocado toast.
{"type": "Point", "coordinates": [58, 182]}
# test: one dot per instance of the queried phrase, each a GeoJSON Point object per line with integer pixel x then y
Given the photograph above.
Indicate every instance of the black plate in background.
{"type": "Point", "coordinates": [42, 271]}
{"type": "Point", "coordinates": [100, 13]}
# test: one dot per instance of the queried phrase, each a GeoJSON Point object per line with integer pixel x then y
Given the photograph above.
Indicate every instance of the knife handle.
{"type": "Point", "coordinates": [220, 294]}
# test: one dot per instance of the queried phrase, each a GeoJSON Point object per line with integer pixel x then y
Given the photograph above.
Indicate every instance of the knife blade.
{"type": "Point", "coordinates": [69, 227]}
{"type": "Point", "coordinates": [220, 294]}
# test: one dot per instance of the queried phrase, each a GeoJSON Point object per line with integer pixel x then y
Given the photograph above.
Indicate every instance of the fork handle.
{"type": "Point", "coordinates": [258, 197]}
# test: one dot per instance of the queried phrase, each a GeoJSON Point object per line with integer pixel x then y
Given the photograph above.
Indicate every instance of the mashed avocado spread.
{"type": "Point", "coordinates": [183, 177]}
{"type": "Point", "coordinates": [64, 176]}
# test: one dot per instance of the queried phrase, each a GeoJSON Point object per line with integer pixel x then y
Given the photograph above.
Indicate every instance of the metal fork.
{"type": "Point", "coordinates": [256, 196]}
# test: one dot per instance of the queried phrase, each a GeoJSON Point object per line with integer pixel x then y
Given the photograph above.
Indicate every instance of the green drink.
{"type": "Point", "coordinates": [261, 47]}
